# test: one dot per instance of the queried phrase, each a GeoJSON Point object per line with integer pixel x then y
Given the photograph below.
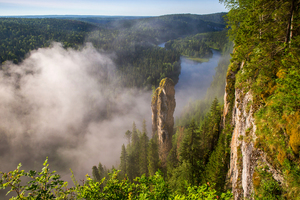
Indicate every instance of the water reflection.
{"type": "Point", "coordinates": [194, 80]}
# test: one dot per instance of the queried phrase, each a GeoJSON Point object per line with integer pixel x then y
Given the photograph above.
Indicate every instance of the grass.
{"type": "Point", "coordinates": [198, 59]}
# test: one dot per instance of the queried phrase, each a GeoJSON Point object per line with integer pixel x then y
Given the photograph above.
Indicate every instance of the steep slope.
{"type": "Point", "coordinates": [262, 99]}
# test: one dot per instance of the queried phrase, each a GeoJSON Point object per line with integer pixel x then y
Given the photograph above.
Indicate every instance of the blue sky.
{"type": "Point", "coordinates": [109, 7]}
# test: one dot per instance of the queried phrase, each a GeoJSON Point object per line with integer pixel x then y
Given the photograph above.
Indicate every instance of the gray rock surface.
{"type": "Point", "coordinates": [163, 106]}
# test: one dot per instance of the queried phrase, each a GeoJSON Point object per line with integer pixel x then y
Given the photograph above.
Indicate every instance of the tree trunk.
{"type": "Point", "coordinates": [289, 31]}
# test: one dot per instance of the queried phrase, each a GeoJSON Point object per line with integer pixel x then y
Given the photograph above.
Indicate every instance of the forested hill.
{"type": "Point", "coordinates": [216, 20]}
{"type": "Point", "coordinates": [139, 61]}
{"type": "Point", "coordinates": [18, 36]}
{"type": "Point", "coordinates": [163, 28]}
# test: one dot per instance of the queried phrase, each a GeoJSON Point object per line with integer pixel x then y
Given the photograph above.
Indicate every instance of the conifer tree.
{"type": "Point", "coordinates": [214, 124]}
{"type": "Point", "coordinates": [133, 154]}
{"type": "Point", "coordinates": [218, 162]}
{"type": "Point", "coordinates": [172, 160]}
{"type": "Point", "coordinates": [134, 136]}
{"type": "Point", "coordinates": [153, 157]}
{"type": "Point", "coordinates": [96, 174]}
{"type": "Point", "coordinates": [143, 152]}
{"type": "Point", "coordinates": [128, 134]}
{"type": "Point", "coordinates": [123, 162]}
{"type": "Point", "coordinates": [190, 152]}
{"type": "Point", "coordinates": [101, 170]}
{"type": "Point", "coordinates": [130, 166]}
{"type": "Point", "coordinates": [144, 129]}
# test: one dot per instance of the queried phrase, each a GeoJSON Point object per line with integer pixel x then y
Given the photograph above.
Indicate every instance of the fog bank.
{"type": "Point", "coordinates": [66, 105]}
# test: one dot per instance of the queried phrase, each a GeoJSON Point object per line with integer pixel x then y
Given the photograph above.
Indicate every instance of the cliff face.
{"type": "Point", "coordinates": [244, 157]}
{"type": "Point", "coordinates": [243, 154]}
{"type": "Point", "coordinates": [163, 106]}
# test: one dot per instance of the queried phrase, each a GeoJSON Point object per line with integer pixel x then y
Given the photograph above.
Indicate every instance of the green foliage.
{"type": "Point", "coordinates": [200, 150]}
{"type": "Point", "coordinates": [101, 170]}
{"type": "Point", "coordinates": [198, 46]}
{"type": "Point", "coordinates": [128, 135]}
{"type": "Point", "coordinates": [153, 157]}
{"type": "Point", "coordinates": [193, 110]}
{"type": "Point", "coordinates": [123, 162]}
{"type": "Point", "coordinates": [267, 188]}
{"type": "Point", "coordinates": [190, 152]}
{"type": "Point", "coordinates": [218, 161]}
{"type": "Point", "coordinates": [190, 47]}
{"type": "Point", "coordinates": [18, 36]}
{"type": "Point", "coordinates": [178, 178]}
{"type": "Point", "coordinates": [47, 185]}
{"type": "Point", "coordinates": [203, 192]}
{"type": "Point", "coordinates": [42, 185]}
{"type": "Point", "coordinates": [146, 65]}
{"type": "Point", "coordinates": [95, 173]}
{"type": "Point", "coordinates": [143, 160]}
{"type": "Point", "coordinates": [266, 36]}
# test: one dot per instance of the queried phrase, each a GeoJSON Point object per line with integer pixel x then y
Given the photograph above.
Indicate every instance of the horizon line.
{"type": "Point", "coordinates": [105, 15]}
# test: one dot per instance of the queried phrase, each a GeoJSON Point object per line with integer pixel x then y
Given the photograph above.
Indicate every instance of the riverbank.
{"type": "Point", "coordinates": [200, 60]}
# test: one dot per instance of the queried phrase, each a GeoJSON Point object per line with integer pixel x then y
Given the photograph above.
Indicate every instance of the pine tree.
{"type": "Point", "coordinates": [143, 161]}
{"type": "Point", "coordinates": [128, 134]}
{"type": "Point", "coordinates": [134, 136]}
{"type": "Point", "coordinates": [172, 160]}
{"type": "Point", "coordinates": [218, 162]}
{"type": "Point", "coordinates": [214, 124]}
{"type": "Point", "coordinates": [144, 130]}
{"type": "Point", "coordinates": [123, 162]}
{"type": "Point", "coordinates": [96, 174]}
{"type": "Point", "coordinates": [133, 154]}
{"type": "Point", "coordinates": [153, 157]}
{"type": "Point", "coordinates": [190, 152]}
{"type": "Point", "coordinates": [101, 170]}
{"type": "Point", "coordinates": [130, 166]}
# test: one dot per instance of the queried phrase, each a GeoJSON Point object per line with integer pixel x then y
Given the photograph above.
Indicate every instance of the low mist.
{"type": "Point", "coordinates": [66, 105]}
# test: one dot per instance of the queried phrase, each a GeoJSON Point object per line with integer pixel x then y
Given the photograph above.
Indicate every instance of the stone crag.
{"type": "Point", "coordinates": [244, 157]}
{"type": "Point", "coordinates": [163, 106]}
{"type": "Point", "coordinates": [243, 154]}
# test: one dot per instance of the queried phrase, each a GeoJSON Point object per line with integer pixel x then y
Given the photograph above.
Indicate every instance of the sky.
{"type": "Point", "coordinates": [109, 7]}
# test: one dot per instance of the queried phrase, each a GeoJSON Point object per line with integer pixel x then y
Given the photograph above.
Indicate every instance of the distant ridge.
{"type": "Point", "coordinates": [75, 16]}
{"type": "Point", "coordinates": [106, 16]}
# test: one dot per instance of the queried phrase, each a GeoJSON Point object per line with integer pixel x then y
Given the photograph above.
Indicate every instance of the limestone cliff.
{"type": "Point", "coordinates": [163, 106]}
{"type": "Point", "coordinates": [244, 157]}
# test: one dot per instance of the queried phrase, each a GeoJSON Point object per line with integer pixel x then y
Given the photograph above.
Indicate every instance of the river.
{"type": "Point", "coordinates": [194, 79]}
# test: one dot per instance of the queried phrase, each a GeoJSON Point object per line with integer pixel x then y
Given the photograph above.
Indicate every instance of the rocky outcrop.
{"type": "Point", "coordinates": [243, 154]}
{"type": "Point", "coordinates": [163, 106]}
{"type": "Point", "coordinates": [244, 157]}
